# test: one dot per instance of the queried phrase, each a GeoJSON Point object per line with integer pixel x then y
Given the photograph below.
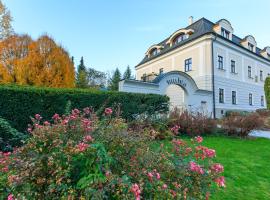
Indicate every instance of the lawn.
{"type": "Point", "coordinates": [247, 167]}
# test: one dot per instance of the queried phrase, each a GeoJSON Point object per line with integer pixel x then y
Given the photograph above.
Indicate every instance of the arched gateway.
{"type": "Point", "coordinates": [179, 86]}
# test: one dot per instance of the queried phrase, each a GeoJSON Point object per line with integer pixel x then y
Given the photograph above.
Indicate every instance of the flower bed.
{"type": "Point", "coordinates": [81, 156]}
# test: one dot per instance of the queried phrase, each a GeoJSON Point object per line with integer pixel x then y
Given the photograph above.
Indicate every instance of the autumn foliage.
{"type": "Point", "coordinates": [40, 63]}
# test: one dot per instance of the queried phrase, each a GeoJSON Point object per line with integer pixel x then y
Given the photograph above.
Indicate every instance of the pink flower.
{"type": "Point", "coordinates": [72, 117]}
{"type": "Point", "coordinates": [82, 146]}
{"type": "Point", "coordinates": [88, 138]}
{"type": "Point", "coordinates": [135, 189]}
{"type": "Point", "coordinates": [46, 123]}
{"type": "Point", "coordinates": [87, 110]}
{"type": "Point", "coordinates": [175, 129]}
{"type": "Point", "coordinates": [220, 181]}
{"type": "Point", "coordinates": [75, 111]}
{"type": "Point", "coordinates": [195, 168]}
{"type": "Point", "coordinates": [164, 186]}
{"type": "Point", "coordinates": [38, 117]}
{"type": "Point", "coordinates": [188, 150]}
{"type": "Point", "coordinates": [158, 176]}
{"type": "Point", "coordinates": [107, 174]}
{"type": "Point", "coordinates": [218, 168]}
{"type": "Point", "coordinates": [5, 169]}
{"type": "Point", "coordinates": [150, 176]}
{"type": "Point", "coordinates": [178, 142]}
{"type": "Point", "coordinates": [56, 117]}
{"type": "Point", "coordinates": [7, 153]}
{"type": "Point", "coordinates": [108, 111]}
{"type": "Point", "coordinates": [29, 130]}
{"type": "Point", "coordinates": [10, 197]}
{"type": "Point", "coordinates": [199, 139]}
{"type": "Point", "coordinates": [210, 153]}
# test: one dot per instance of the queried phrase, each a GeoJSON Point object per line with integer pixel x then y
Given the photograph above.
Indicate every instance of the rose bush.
{"type": "Point", "coordinates": [79, 156]}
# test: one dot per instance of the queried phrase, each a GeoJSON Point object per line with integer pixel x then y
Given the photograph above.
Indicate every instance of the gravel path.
{"type": "Point", "coordinates": [259, 133]}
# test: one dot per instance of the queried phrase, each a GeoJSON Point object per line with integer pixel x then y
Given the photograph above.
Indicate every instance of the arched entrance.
{"type": "Point", "coordinates": [179, 87]}
{"type": "Point", "coordinates": [177, 96]}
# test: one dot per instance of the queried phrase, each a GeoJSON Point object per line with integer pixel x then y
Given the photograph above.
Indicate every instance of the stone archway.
{"type": "Point", "coordinates": [179, 86]}
{"type": "Point", "coordinates": [177, 95]}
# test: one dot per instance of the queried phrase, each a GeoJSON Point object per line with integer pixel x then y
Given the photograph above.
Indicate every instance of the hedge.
{"type": "Point", "coordinates": [18, 103]}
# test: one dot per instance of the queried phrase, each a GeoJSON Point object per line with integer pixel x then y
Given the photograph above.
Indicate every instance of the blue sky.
{"type": "Point", "coordinates": [116, 33]}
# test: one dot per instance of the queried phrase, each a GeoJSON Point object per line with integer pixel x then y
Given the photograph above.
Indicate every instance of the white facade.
{"type": "Point", "coordinates": [240, 82]}
{"type": "Point", "coordinates": [229, 72]}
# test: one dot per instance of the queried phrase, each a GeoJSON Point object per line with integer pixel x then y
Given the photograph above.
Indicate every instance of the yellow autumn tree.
{"type": "Point", "coordinates": [40, 63]}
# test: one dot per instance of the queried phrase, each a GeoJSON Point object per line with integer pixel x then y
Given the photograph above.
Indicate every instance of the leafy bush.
{"type": "Point", "coordinates": [63, 161]}
{"type": "Point", "coordinates": [239, 125]}
{"type": "Point", "coordinates": [18, 103]}
{"type": "Point", "coordinates": [243, 113]}
{"type": "Point", "coordinates": [192, 123]}
{"type": "Point", "coordinates": [9, 137]}
{"type": "Point", "coordinates": [263, 112]}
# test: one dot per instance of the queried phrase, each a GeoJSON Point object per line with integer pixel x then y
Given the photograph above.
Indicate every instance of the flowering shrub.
{"type": "Point", "coordinates": [192, 124]}
{"type": "Point", "coordinates": [79, 156]}
{"type": "Point", "coordinates": [241, 125]}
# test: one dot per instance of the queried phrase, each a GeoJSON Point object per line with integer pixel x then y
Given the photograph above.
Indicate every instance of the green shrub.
{"type": "Point", "coordinates": [19, 103]}
{"type": "Point", "coordinates": [9, 137]}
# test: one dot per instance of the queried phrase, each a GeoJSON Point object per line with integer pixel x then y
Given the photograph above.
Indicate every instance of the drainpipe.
{"type": "Point", "coordinates": [213, 77]}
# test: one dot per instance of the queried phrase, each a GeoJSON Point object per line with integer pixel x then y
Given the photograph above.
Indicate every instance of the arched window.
{"type": "Point", "coordinates": [153, 52]}
{"type": "Point", "coordinates": [179, 38]}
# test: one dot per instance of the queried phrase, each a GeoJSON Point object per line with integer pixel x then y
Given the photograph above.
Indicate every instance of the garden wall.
{"type": "Point", "coordinates": [18, 103]}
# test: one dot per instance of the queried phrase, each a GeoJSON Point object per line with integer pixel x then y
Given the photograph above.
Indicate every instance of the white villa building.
{"type": "Point", "coordinates": [205, 67]}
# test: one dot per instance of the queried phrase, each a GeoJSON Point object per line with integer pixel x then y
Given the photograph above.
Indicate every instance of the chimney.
{"type": "Point", "coordinates": [190, 20]}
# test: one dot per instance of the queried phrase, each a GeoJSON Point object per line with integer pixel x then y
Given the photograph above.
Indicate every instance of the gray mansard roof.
{"type": "Point", "coordinates": [201, 27]}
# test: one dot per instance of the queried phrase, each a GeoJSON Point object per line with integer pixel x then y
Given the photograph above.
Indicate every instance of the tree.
{"type": "Point", "coordinates": [267, 91]}
{"type": "Point", "coordinates": [5, 22]}
{"type": "Point", "coordinates": [127, 73]}
{"type": "Point", "coordinates": [96, 78]}
{"type": "Point", "coordinates": [114, 81]}
{"type": "Point", "coordinates": [81, 75]}
{"type": "Point", "coordinates": [40, 63]}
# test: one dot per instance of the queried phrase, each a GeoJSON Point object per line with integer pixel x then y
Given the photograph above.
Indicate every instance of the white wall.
{"type": "Point", "coordinates": [240, 82]}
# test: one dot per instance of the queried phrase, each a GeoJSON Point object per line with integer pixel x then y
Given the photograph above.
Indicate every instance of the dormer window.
{"type": "Point", "coordinates": [153, 52]}
{"type": "Point", "coordinates": [250, 47]}
{"type": "Point", "coordinates": [179, 39]}
{"type": "Point", "coordinates": [225, 33]}
{"type": "Point", "coordinates": [224, 28]}
{"type": "Point", "coordinates": [179, 36]}
{"type": "Point", "coordinates": [266, 52]}
{"type": "Point", "coordinates": [250, 43]}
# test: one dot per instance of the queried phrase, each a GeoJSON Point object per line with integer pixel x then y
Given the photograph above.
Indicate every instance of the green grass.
{"type": "Point", "coordinates": [247, 167]}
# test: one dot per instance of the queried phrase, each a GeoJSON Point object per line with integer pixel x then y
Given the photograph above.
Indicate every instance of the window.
{"type": "Point", "coordinates": [220, 62]}
{"type": "Point", "coordinates": [262, 101]}
{"type": "Point", "coordinates": [144, 77]}
{"type": "Point", "coordinates": [249, 72]}
{"type": "Point", "coordinates": [225, 33]}
{"type": "Point", "coordinates": [188, 64]}
{"type": "Point", "coordinates": [234, 97]}
{"type": "Point", "coordinates": [179, 38]}
{"type": "Point", "coordinates": [161, 71]}
{"type": "Point", "coordinates": [221, 95]}
{"type": "Point", "coordinates": [261, 75]}
{"type": "Point", "coordinates": [250, 99]}
{"type": "Point", "coordinates": [250, 47]}
{"type": "Point", "coordinates": [233, 66]}
{"type": "Point", "coordinates": [154, 52]}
